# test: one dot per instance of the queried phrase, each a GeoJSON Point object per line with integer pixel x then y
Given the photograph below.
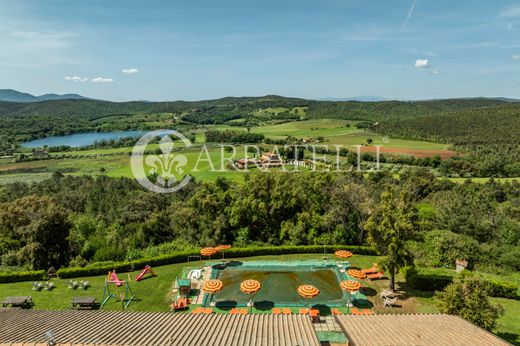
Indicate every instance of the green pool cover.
{"type": "Point", "coordinates": [279, 282]}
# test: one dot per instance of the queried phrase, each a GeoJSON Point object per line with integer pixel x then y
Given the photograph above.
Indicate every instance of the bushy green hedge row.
{"type": "Point", "coordinates": [22, 276]}
{"type": "Point", "coordinates": [179, 257]}
{"type": "Point", "coordinates": [503, 289]}
{"type": "Point", "coordinates": [438, 282]}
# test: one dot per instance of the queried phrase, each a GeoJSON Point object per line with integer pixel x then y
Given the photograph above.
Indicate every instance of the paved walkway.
{"type": "Point", "coordinates": [327, 324]}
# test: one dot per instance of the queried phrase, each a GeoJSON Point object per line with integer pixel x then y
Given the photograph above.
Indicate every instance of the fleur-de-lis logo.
{"type": "Point", "coordinates": [167, 166]}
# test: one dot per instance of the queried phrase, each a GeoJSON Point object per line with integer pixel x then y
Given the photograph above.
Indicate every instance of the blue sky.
{"type": "Point", "coordinates": [195, 49]}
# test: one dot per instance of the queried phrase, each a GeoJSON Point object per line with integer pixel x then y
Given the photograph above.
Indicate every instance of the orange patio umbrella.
{"type": "Point", "coordinates": [343, 254]}
{"type": "Point", "coordinates": [212, 286]}
{"type": "Point", "coordinates": [356, 274]}
{"type": "Point", "coordinates": [351, 287]}
{"type": "Point", "coordinates": [222, 248]}
{"type": "Point", "coordinates": [250, 287]}
{"type": "Point", "coordinates": [208, 251]}
{"type": "Point", "coordinates": [308, 292]}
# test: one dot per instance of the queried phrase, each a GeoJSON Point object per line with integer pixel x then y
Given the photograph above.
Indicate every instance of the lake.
{"type": "Point", "coordinates": [80, 139]}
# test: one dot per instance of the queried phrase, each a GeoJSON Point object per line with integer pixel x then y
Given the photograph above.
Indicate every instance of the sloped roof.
{"type": "Point", "coordinates": [118, 328]}
{"type": "Point", "coordinates": [416, 330]}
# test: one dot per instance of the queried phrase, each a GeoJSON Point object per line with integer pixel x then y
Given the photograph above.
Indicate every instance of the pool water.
{"type": "Point", "coordinates": [279, 284]}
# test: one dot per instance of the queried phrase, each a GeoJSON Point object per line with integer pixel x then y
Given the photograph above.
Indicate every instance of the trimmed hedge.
{"type": "Point", "coordinates": [503, 289]}
{"type": "Point", "coordinates": [180, 257]}
{"type": "Point", "coordinates": [426, 282]}
{"type": "Point", "coordinates": [22, 276]}
{"type": "Point", "coordinates": [437, 282]}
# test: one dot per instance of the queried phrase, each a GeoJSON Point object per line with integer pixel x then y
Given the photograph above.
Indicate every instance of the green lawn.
{"type": "Point", "coordinates": [154, 293]}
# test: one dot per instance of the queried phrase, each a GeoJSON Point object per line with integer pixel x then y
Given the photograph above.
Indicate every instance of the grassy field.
{"type": "Point", "coordinates": [114, 162]}
{"type": "Point", "coordinates": [154, 293]}
{"type": "Point", "coordinates": [307, 128]}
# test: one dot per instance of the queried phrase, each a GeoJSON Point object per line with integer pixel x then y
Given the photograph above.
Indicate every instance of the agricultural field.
{"type": "Point", "coordinates": [114, 162]}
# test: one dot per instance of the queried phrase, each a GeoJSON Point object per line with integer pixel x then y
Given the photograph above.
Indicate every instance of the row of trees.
{"type": "Point", "coordinates": [100, 219]}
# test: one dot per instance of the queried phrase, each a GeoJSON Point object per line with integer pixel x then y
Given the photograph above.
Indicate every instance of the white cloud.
{"type": "Point", "coordinates": [435, 72]}
{"type": "Point", "coordinates": [422, 63]}
{"type": "Point", "coordinates": [511, 12]}
{"type": "Point", "coordinates": [76, 79]}
{"type": "Point", "coordinates": [102, 80]}
{"type": "Point", "coordinates": [516, 57]}
{"type": "Point", "coordinates": [130, 70]}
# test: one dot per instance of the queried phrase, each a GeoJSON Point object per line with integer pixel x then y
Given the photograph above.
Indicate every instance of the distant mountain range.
{"type": "Point", "coordinates": [11, 95]}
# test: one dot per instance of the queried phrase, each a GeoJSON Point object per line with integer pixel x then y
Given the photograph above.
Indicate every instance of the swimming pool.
{"type": "Point", "coordinates": [279, 282]}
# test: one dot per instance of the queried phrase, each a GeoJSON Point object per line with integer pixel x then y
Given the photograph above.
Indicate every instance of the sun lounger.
{"type": "Point", "coordinates": [207, 311]}
{"type": "Point", "coordinates": [233, 311]}
{"type": "Point", "coordinates": [277, 311]}
{"type": "Point", "coordinates": [303, 311]}
{"type": "Point", "coordinates": [286, 311]}
{"type": "Point", "coordinates": [198, 310]}
{"type": "Point", "coordinates": [367, 312]}
{"type": "Point", "coordinates": [315, 314]}
{"type": "Point", "coordinates": [355, 311]}
{"type": "Point", "coordinates": [335, 311]}
{"type": "Point", "coordinates": [244, 311]}
{"type": "Point", "coordinates": [376, 276]}
{"type": "Point", "coordinates": [374, 269]}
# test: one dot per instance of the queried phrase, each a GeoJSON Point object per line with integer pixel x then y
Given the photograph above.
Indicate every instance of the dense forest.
{"type": "Point", "coordinates": [70, 220]}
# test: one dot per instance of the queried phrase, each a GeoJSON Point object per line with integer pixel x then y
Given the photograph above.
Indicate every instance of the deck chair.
{"type": "Point", "coordinates": [37, 286]}
{"type": "Point", "coordinates": [286, 311]}
{"type": "Point", "coordinates": [84, 284]}
{"type": "Point", "coordinates": [303, 311]}
{"type": "Point", "coordinates": [371, 270]}
{"type": "Point", "coordinates": [73, 284]}
{"type": "Point", "coordinates": [387, 294]}
{"type": "Point", "coordinates": [277, 311]}
{"type": "Point", "coordinates": [233, 311]}
{"type": "Point", "coordinates": [207, 311]}
{"type": "Point", "coordinates": [198, 310]}
{"type": "Point", "coordinates": [49, 286]}
{"type": "Point", "coordinates": [336, 311]}
{"type": "Point", "coordinates": [376, 276]}
{"type": "Point", "coordinates": [243, 311]}
{"type": "Point", "coordinates": [389, 302]}
{"type": "Point", "coordinates": [367, 312]}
